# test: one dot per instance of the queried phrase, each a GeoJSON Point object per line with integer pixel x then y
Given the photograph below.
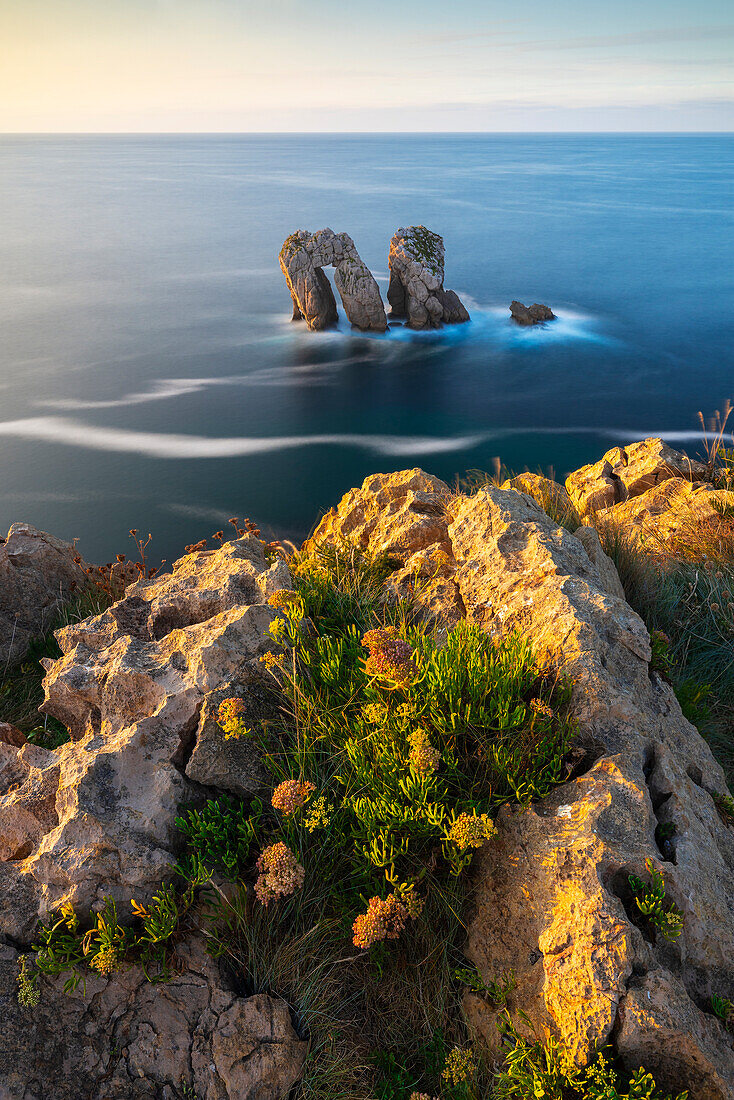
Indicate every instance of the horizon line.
{"type": "Point", "coordinates": [349, 133]}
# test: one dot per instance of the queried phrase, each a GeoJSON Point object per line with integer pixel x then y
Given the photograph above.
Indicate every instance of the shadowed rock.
{"type": "Point", "coordinates": [302, 258]}
{"type": "Point", "coordinates": [535, 314]}
{"type": "Point", "coordinates": [416, 280]}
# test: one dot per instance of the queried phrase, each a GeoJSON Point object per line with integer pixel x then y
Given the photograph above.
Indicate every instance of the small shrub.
{"type": "Point", "coordinates": [545, 1069]}
{"type": "Point", "coordinates": [221, 835]}
{"type": "Point", "coordinates": [724, 1009]}
{"type": "Point", "coordinates": [651, 902]}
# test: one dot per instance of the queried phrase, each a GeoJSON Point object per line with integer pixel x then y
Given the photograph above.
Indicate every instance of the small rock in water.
{"type": "Point", "coordinates": [531, 315]}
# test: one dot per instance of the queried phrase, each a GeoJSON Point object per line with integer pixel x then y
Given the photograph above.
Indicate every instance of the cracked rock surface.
{"type": "Point", "coordinates": [96, 817]}
{"type": "Point", "coordinates": [37, 575]}
{"type": "Point", "coordinates": [125, 1039]}
{"type": "Point", "coordinates": [302, 258]}
{"type": "Point", "coordinates": [416, 290]}
{"type": "Point", "coordinates": [552, 896]}
{"type": "Point", "coordinates": [627, 472]}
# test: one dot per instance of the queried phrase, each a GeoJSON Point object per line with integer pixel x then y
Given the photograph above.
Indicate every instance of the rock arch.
{"type": "Point", "coordinates": [302, 258]}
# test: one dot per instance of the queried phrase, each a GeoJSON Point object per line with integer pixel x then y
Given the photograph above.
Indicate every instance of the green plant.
{"type": "Point", "coordinates": [220, 835]}
{"type": "Point", "coordinates": [546, 1070]}
{"type": "Point", "coordinates": [724, 1009]}
{"type": "Point", "coordinates": [651, 902]}
{"type": "Point", "coordinates": [725, 805]}
{"type": "Point", "coordinates": [496, 990]}
{"type": "Point", "coordinates": [28, 992]}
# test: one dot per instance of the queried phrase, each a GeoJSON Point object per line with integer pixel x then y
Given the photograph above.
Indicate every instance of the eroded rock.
{"type": "Point", "coordinates": [302, 258]}
{"type": "Point", "coordinates": [626, 472]}
{"type": "Point", "coordinates": [37, 576]}
{"type": "Point", "coordinates": [416, 289]}
{"type": "Point", "coordinates": [124, 1038]}
{"type": "Point", "coordinates": [536, 314]}
{"type": "Point", "coordinates": [673, 512]}
{"type": "Point", "coordinates": [554, 880]}
{"type": "Point", "coordinates": [96, 817]}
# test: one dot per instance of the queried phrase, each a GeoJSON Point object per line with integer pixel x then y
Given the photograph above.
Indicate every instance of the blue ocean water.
{"type": "Point", "coordinates": [150, 377]}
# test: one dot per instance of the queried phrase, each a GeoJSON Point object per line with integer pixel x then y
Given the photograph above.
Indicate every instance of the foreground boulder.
{"type": "Point", "coordinates": [189, 1037]}
{"type": "Point", "coordinates": [673, 514]}
{"type": "Point", "coordinates": [416, 289]}
{"type": "Point", "coordinates": [626, 472]}
{"type": "Point", "coordinates": [536, 314]}
{"type": "Point", "coordinates": [96, 817]}
{"type": "Point", "coordinates": [302, 258]}
{"type": "Point", "coordinates": [38, 575]}
{"type": "Point", "coordinates": [553, 900]}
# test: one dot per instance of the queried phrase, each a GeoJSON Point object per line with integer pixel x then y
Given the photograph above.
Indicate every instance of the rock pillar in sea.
{"type": "Point", "coordinates": [302, 258]}
{"type": "Point", "coordinates": [416, 280]}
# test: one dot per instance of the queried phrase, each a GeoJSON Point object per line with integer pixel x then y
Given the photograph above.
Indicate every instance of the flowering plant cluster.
{"type": "Point", "coordinates": [280, 873]}
{"type": "Point", "coordinates": [385, 919]}
{"type": "Point", "coordinates": [231, 717]}
{"type": "Point", "coordinates": [291, 795]}
{"type": "Point", "coordinates": [390, 657]}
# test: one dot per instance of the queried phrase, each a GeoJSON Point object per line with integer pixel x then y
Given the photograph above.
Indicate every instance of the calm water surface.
{"type": "Point", "coordinates": [150, 378]}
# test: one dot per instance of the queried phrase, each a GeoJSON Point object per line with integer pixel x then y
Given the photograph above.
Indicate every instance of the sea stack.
{"type": "Point", "coordinates": [416, 289]}
{"type": "Point", "coordinates": [535, 314]}
{"type": "Point", "coordinates": [302, 258]}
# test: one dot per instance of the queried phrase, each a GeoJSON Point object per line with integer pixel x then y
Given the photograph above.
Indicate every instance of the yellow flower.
{"type": "Point", "coordinates": [319, 816]}
{"type": "Point", "coordinates": [284, 599]}
{"type": "Point", "coordinates": [471, 831]}
{"type": "Point", "coordinates": [423, 756]}
{"type": "Point", "coordinates": [459, 1066]}
{"type": "Point", "coordinates": [271, 660]}
{"type": "Point", "coordinates": [106, 960]}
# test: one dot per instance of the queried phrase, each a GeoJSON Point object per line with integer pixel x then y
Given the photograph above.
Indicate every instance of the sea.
{"type": "Point", "coordinates": [151, 377]}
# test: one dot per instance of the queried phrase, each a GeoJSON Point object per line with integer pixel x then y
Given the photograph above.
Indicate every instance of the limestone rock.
{"type": "Point", "coordinates": [552, 895]}
{"type": "Point", "coordinates": [397, 514]}
{"type": "Point", "coordinates": [231, 764]}
{"type": "Point", "coordinates": [552, 887]}
{"type": "Point", "coordinates": [302, 258]}
{"type": "Point", "coordinates": [673, 512]}
{"type": "Point", "coordinates": [626, 472]}
{"type": "Point", "coordinates": [127, 1039]}
{"type": "Point", "coordinates": [535, 314]}
{"type": "Point", "coordinates": [416, 289]}
{"type": "Point", "coordinates": [10, 735]}
{"type": "Point", "coordinates": [37, 576]}
{"type": "Point", "coordinates": [551, 496]}
{"type": "Point", "coordinates": [96, 817]}
{"type": "Point", "coordinates": [608, 575]}
{"type": "Point", "coordinates": [404, 515]}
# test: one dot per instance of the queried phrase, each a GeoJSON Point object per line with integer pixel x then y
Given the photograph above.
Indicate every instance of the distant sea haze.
{"type": "Point", "coordinates": [150, 376]}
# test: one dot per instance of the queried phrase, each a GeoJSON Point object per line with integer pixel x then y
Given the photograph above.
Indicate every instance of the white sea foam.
{"type": "Point", "coordinates": [74, 433]}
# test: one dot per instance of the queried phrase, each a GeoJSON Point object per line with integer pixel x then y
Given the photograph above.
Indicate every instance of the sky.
{"type": "Point", "coordinates": [365, 65]}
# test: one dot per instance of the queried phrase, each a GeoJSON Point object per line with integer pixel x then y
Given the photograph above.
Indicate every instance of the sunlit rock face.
{"type": "Point", "coordinates": [627, 472]}
{"type": "Point", "coordinates": [552, 896]}
{"type": "Point", "coordinates": [302, 258]}
{"type": "Point", "coordinates": [416, 290]}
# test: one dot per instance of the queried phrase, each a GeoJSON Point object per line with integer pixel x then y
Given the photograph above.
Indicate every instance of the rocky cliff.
{"type": "Point", "coordinates": [554, 901]}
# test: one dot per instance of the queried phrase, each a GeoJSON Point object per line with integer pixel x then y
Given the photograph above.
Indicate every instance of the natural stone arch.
{"type": "Point", "coordinates": [302, 258]}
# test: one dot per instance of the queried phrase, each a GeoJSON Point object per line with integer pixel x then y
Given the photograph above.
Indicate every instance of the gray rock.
{"type": "Point", "coordinates": [125, 1039]}
{"type": "Point", "coordinates": [37, 576]}
{"type": "Point", "coordinates": [416, 289]}
{"type": "Point", "coordinates": [535, 314]}
{"type": "Point", "coordinates": [302, 258]}
{"type": "Point", "coordinates": [96, 817]}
